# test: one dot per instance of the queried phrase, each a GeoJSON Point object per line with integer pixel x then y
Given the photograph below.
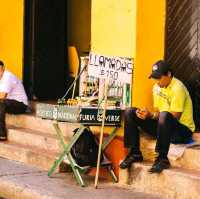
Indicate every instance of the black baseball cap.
{"type": "Point", "coordinates": [160, 68]}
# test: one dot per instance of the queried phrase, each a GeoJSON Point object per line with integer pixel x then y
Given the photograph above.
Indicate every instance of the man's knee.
{"type": "Point", "coordinates": [2, 105]}
{"type": "Point", "coordinates": [164, 116]}
{"type": "Point", "coordinates": [130, 112]}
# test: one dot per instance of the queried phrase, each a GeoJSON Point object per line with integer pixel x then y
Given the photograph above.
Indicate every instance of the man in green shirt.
{"type": "Point", "coordinates": [171, 120]}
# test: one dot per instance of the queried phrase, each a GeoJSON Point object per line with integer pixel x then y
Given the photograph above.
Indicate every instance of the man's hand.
{"type": "Point", "coordinates": [177, 115]}
{"type": "Point", "coordinates": [143, 113]}
{"type": "Point", "coordinates": [3, 95]}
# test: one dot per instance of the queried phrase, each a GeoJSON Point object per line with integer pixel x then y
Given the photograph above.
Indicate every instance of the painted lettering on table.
{"type": "Point", "coordinates": [85, 115]}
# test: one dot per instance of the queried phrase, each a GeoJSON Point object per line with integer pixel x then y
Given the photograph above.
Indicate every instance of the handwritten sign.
{"type": "Point", "coordinates": [115, 68]}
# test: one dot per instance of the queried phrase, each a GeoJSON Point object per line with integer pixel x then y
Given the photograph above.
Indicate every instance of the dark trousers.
{"type": "Point", "coordinates": [166, 129]}
{"type": "Point", "coordinates": [9, 106]}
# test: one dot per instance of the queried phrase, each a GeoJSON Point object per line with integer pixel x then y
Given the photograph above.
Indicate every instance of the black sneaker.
{"type": "Point", "coordinates": [3, 138]}
{"type": "Point", "coordinates": [159, 165]}
{"type": "Point", "coordinates": [130, 158]}
{"type": "Point", "coordinates": [3, 134]}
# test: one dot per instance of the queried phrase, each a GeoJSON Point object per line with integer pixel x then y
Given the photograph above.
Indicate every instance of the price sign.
{"type": "Point", "coordinates": [117, 69]}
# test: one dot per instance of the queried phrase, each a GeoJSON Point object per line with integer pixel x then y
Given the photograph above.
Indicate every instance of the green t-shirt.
{"type": "Point", "coordinates": [175, 98]}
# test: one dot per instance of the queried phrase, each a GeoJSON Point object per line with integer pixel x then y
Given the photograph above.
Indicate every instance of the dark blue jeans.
{"type": "Point", "coordinates": [9, 106]}
{"type": "Point", "coordinates": [167, 129]}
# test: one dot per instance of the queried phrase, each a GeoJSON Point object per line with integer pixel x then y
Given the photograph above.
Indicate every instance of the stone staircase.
{"type": "Point", "coordinates": [181, 181]}
{"type": "Point", "coordinates": [33, 140]}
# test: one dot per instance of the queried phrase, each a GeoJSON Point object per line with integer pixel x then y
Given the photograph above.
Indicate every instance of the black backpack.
{"type": "Point", "coordinates": [85, 149]}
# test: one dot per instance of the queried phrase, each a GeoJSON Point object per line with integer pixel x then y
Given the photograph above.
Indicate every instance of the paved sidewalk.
{"type": "Point", "coordinates": [18, 181]}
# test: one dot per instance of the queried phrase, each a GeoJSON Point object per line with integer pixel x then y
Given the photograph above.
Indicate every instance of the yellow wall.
{"type": "Point", "coordinates": [11, 34]}
{"type": "Point", "coordinates": [131, 28]}
{"type": "Point", "coordinates": [149, 47]}
{"type": "Point", "coordinates": [113, 30]}
{"type": "Point", "coordinates": [79, 24]}
{"type": "Point", "coordinates": [113, 27]}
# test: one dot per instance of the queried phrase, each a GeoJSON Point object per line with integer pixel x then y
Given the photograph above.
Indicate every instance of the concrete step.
{"type": "Point", "coordinates": [30, 121]}
{"type": "Point", "coordinates": [189, 160]}
{"type": "Point", "coordinates": [34, 138]}
{"type": "Point", "coordinates": [175, 183]}
{"type": "Point", "coordinates": [42, 159]}
{"type": "Point", "coordinates": [19, 181]}
{"type": "Point", "coordinates": [148, 144]}
{"type": "Point", "coordinates": [196, 136]}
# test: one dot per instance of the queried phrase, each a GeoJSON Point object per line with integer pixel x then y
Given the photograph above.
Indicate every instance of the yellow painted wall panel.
{"type": "Point", "coordinates": [149, 48]}
{"type": "Point", "coordinates": [79, 24]}
{"type": "Point", "coordinates": [11, 34]}
{"type": "Point", "coordinates": [114, 27]}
